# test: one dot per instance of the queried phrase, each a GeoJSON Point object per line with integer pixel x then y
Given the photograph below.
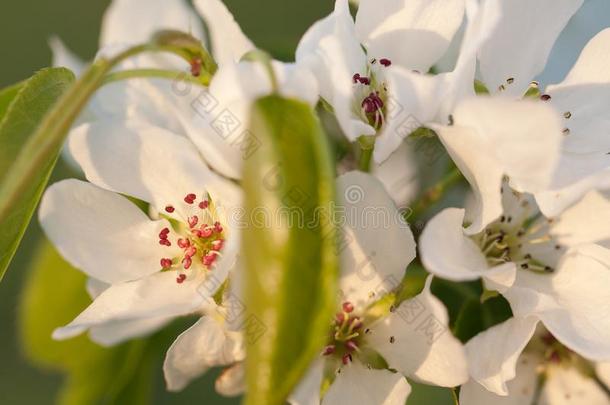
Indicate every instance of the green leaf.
{"type": "Point", "coordinates": [54, 294]}
{"type": "Point", "coordinates": [31, 136]}
{"type": "Point", "coordinates": [291, 271]}
{"type": "Point", "coordinates": [7, 95]}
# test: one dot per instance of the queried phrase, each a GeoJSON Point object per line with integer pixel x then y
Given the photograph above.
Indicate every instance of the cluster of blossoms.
{"type": "Point", "coordinates": [152, 227]}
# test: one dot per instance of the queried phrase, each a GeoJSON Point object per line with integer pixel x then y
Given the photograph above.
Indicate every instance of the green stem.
{"type": "Point", "coordinates": [538, 390]}
{"type": "Point", "coordinates": [434, 193]}
{"type": "Point", "coordinates": [367, 146]}
{"type": "Point", "coordinates": [203, 79]}
{"type": "Point", "coordinates": [601, 384]}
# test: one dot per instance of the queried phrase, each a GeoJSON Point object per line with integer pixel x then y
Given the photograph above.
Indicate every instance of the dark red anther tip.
{"type": "Point", "coordinates": [204, 204]}
{"type": "Point", "coordinates": [328, 350]}
{"type": "Point", "coordinates": [193, 221]}
{"type": "Point", "coordinates": [169, 209]}
{"type": "Point", "coordinates": [545, 97]}
{"type": "Point", "coordinates": [180, 279]}
{"type": "Point", "coordinates": [346, 358]}
{"type": "Point", "coordinates": [348, 307]}
{"type": "Point", "coordinates": [351, 345]}
{"type": "Point", "coordinates": [385, 62]}
{"type": "Point", "coordinates": [356, 77]}
{"type": "Point", "coordinates": [196, 66]}
{"type": "Point", "coordinates": [166, 263]}
{"type": "Point", "coordinates": [165, 242]}
{"type": "Point", "coordinates": [190, 198]}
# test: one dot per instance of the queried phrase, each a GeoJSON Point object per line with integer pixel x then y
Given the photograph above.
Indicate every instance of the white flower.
{"type": "Point", "coordinates": [511, 51]}
{"type": "Point", "coordinates": [413, 338]}
{"type": "Point", "coordinates": [153, 265]}
{"type": "Point", "coordinates": [584, 99]}
{"type": "Point", "coordinates": [212, 341]}
{"type": "Point", "coordinates": [515, 361]}
{"type": "Point", "coordinates": [399, 36]}
{"type": "Point", "coordinates": [550, 269]}
{"type": "Point", "coordinates": [215, 119]}
{"type": "Point", "coordinates": [493, 138]}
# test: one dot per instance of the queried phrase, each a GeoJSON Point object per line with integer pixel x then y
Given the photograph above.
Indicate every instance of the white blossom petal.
{"type": "Point", "coordinates": [158, 295]}
{"type": "Point", "coordinates": [114, 333]}
{"type": "Point", "coordinates": [495, 137]}
{"type": "Point", "coordinates": [411, 33]}
{"type": "Point", "coordinates": [152, 16]}
{"type": "Point", "coordinates": [62, 56]}
{"type": "Point", "coordinates": [493, 353]}
{"type": "Point", "coordinates": [521, 389]}
{"type": "Point", "coordinates": [232, 381]}
{"type": "Point", "coordinates": [585, 222]}
{"type": "Point", "coordinates": [415, 339]}
{"type": "Point", "coordinates": [447, 252]}
{"type": "Point", "coordinates": [553, 202]}
{"type": "Point", "coordinates": [520, 44]}
{"type": "Point", "coordinates": [573, 302]}
{"type": "Point", "coordinates": [229, 43]}
{"type": "Point", "coordinates": [100, 232]}
{"type": "Point", "coordinates": [307, 392]}
{"type": "Point", "coordinates": [145, 162]}
{"type": "Point", "coordinates": [331, 50]}
{"type": "Point", "coordinates": [357, 385]}
{"type": "Point", "coordinates": [399, 174]}
{"type": "Point", "coordinates": [566, 386]}
{"type": "Point", "coordinates": [204, 345]}
{"type": "Point", "coordinates": [374, 231]}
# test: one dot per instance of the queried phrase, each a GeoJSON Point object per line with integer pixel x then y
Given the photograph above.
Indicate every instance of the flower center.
{"type": "Point", "coordinates": [199, 237]}
{"type": "Point", "coordinates": [522, 237]}
{"type": "Point", "coordinates": [346, 338]}
{"type": "Point", "coordinates": [371, 93]}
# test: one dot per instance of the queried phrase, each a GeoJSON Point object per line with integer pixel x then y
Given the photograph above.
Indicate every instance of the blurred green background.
{"type": "Point", "coordinates": [274, 25]}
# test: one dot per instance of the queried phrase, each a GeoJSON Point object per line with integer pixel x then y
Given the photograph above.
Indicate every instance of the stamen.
{"type": "Point", "coordinates": [351, 345]}
{"type": "Point", "coordinates": [204, 204]}
{"type": "Point", "coordinates": [385, 62]}
{"type": "Point", "coordinates": [348, 307]}
{"type": "Point", "coordinates": [190, 198]}
{"type": "Point", "coordinates": [356, 77]}
{"type": "Point", "coordinates": [545, 97]}
{"type": "Point", "coordinates": [346, 359]}
{"type": "Point", "coordinates": [196, 65]}
{"type": "Point", "coordinates": [165, 242]}
{"type": "Point", "coordinates": [180, 279]}
{"type": "Point", "coordinates": [166, 263]}
{"type": "Point", "coordinates": [169, 209]}
{"type": "Point", "coordinates": [193, 221]}
{"type": "Point", "coordinates": [328, 350]}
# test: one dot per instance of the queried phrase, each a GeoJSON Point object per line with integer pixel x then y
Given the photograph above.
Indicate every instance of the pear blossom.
{"type": "Point", "coordinates": [553, 269]}
{"type": "Point", "coordinates": [519, 361]}
{"type": "Point", "coordinates": [212, 341]}
{"type": "Point", "coordinates": [153, 263]}
{"type": "Point", "coordinates": [214, 118]}
{"type": "Point", "coordinates": [412, 338]}
{"type": "Point", "coordinates": [511, 50]}
{"type": "Point", "coordinates": [358, 62]}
